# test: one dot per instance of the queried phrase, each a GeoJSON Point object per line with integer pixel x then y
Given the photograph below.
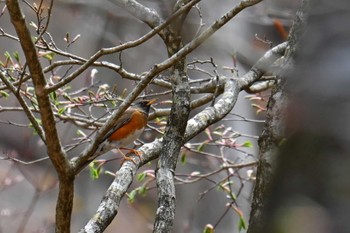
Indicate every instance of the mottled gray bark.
{"type": "Point", "coordinates": [310, 186]}
{"type": "Point", "coordinates": [273, 133]}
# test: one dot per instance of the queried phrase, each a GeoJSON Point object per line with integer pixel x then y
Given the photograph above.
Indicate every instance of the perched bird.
{"type": "Point", "coordinates": [127, 129]}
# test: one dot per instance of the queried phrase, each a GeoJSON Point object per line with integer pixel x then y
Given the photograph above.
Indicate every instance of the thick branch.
{"type": "Point", "coordinates": [263, 64]}
{"type": "Point", "coordinates": [108, 208]}
{"type": "Point", "coordinates": [143, 13]}
{"type": "Point", "coordinates": [174, 135]}
{"type": "Point", "coordinates": [273, 132]}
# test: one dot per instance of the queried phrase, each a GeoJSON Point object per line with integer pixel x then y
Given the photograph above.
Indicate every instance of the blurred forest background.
{"type": "Point", "coordinates": [28, 192]}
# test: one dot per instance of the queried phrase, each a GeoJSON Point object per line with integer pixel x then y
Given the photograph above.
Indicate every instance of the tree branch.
{"type": "Point", "coordinates": [55, 152]}
{"type": "Point", "coordinates": [54, 148]}
{"type": "Point", "coordinates": [141, 12]}
{"type": "Point", "coordinates": [85, 157]}
{"type": "Point", "coordinates": [263, 64]}
{"type": "Point", "coordinates": [273, 132]}
{"type": "Point", "coordinates": [24, 108]}
{"type": "Point", "coordinates": [151, 151]}
{"type": "Point", "coordinates": [108, 208]}
{"type": "Point", "coordinates": [174, 135]}
{"type": "Point", "coordinates": [106, 51]}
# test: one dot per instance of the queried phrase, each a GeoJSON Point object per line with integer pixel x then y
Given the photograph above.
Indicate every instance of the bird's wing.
{"type": "Point", "coordinates": [125, 118]}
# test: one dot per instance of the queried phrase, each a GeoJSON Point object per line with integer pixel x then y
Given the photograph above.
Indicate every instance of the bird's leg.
{"type": "Point", "coordinates": [136, 152]}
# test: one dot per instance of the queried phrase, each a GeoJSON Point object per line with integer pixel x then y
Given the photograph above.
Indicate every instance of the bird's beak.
{"type": "Point", "coordinates": [151, 101]}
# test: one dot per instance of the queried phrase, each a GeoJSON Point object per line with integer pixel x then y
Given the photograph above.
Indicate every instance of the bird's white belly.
{"type": "Point", "coordinates": [130, 139]}
{"type": "Point", "coordinates": [110, 145]}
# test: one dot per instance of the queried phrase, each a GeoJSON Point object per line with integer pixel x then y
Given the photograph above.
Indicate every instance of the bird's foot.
{"type": "Point", "coordinates": [131, 151]}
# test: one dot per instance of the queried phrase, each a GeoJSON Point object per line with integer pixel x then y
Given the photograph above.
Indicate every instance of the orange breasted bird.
{"type": "Point", "coordinates": [127, 128]}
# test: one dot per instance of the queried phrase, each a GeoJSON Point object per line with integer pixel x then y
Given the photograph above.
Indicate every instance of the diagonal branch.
{"type": "Point", "coordinates": [25, 107]}
{"type": "Point", "coordinates": [55, 152]}
{"type": "Point", "coordinates": [263, 64]}
{"type": "Point", "coordinates": [108, 208]}
{"type": "Point", "coordinates": [83, 159]}
{"type": "Point", "coordinates": [143, 13]}
{"type": "Point", "coordinates": [54, 149]}
{"type": "Point", "coordinates": [188, 48]}
{"type": "Point", "coordinates": [116, 49]}
{"type": "Point", "coordinates": [173, 138]}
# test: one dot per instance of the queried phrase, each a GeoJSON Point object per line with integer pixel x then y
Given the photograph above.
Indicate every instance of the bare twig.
{"type": "Point", "coordinates": [54, 149]}
{"type": "Point", "coordinates": [23, 162]}
{"type": "Point", "coordinates": [27, 110]}
{"type": "Point", "coordinates": [130, 44]}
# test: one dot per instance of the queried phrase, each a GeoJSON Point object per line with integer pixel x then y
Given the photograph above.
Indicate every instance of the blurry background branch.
{"type": "Point", "coordinates": [274, 132]}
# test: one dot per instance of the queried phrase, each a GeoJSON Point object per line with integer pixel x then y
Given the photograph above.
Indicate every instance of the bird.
{"type": "Point", "coordinates": [127, 129]}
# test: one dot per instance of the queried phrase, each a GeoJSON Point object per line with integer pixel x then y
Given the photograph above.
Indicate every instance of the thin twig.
{"type": "Point", "coordinates": [23, 162]}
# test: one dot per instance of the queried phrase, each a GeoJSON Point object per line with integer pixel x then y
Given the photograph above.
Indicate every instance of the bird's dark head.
{"type": "Point", "coordinates": [145, 105]}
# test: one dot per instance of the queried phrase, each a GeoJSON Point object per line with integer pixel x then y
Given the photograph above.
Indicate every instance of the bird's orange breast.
{"type": "Point", "coordinates": [136, 123]}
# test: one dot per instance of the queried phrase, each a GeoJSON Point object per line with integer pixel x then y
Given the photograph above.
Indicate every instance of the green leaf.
{"type": "Point", "coordinates": [124, 93]}
{"type": "Point", "coordinates": [113, 102]}
{"type": "Point", "coordinates": [30, 89]}
{"type": "Point", "coordinates": [53, 95]}
{"type": "Point", "coordinates": [34, 102]}
{"type": "Point", "coordinates": [81, 133]}
{"type": "Point", "coordinates": [142, 190]}
{"type": "Point", "coordinates": [94, 174]}
{"type": "Point", "coordinates": [61, 110]}
{"type": "Point", "coordinates": [31, 125]}
{"type": "Point", "coordinates": [208, 229]}
{"type": "Point", "coordinates": [282, 141]}
{"type": "Point", "coordinates": [247, 144]}
{"type": "Point", "coordinates": [7, 55]}
{"type": "Point", "coordinates": [66, 96]}
{"type": "Point", "coordinates": [183, 158]}
{"type": "Point", "coordinates": [201, 146]}
{"type": "Point", "coordinates": [94, 171]}
{"type": "Point", "coordinates": [131, 196]}
{"type": "Point", "coordinates": [4, 94]}
{"type": "Point", "coordinates": [242, 225]}
{"type": "Point", "coordinates": [91, 94]}
{"type": "Point", "coordinates": [232, 196]}
{"type": "Point", "coordinates": [16, 56]}
{"type": "Point", "coordinates": [38, 120]}
{"type": "Point", "coordinates": [141, 176]}
{"type": "Point", "coordinates": [49, 56]}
